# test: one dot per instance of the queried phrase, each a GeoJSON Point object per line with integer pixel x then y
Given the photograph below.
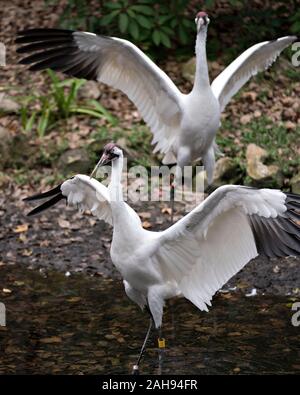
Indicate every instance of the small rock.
{"type": "Point", "coordinates": [251, 96]}
{"type": "Point", "coordinates": [289, 114]}
{"type": "Point", "coordinates": [260, 173]}
{"type": "Point", "coordinates": [189, 70]}
{"type": "Point", "coordinates": [90, 90]}
{"type": "Point", "coordinates": [295, 183]}
{"type": "Point", "coordinates": [74, 161]}
{"type": "Point", "coordinates": [246, 119]}
{"type": "Point", "coordinates": [8, 105]}
{"type": "Point", "coordinates": [290, 125]}
{"type": "Point", "coordinates": [257, 114]}
{"type": "Point", "coordinates": [226, 170]}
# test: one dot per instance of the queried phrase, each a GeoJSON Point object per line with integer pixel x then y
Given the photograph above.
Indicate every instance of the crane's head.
{"type": "Point", "coordinates": [110, 152]}
{"type": "Point", "coordinates": [201, 20]}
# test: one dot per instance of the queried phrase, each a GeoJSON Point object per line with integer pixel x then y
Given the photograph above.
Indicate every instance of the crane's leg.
{"type": "Point", "coordinates": [172, 196]}
{"type": "Point", "coordinates": [209, 164]}
{"type": "Point", "coordinates": [161, 350]}
{"type": "Point", "coordinates": [136, 367]}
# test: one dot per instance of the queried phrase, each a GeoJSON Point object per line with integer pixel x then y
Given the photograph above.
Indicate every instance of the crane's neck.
{"type": "Point", "coordinates": [115, 186]}
{"type": "Point", "coordinates": [201, 77]}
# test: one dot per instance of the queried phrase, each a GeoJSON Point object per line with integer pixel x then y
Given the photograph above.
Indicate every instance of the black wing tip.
{"type": "Point", "coordinates": [46, 205]}
{"type": "Point", "coordinates": [52, 192]}
{"type": "Point", "coordinates": [43, 30]}
{"type": "Point", "coordinates": [291, 195]}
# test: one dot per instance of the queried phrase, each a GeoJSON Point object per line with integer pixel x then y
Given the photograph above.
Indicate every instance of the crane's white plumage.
{"type": "Point", "coordinates": [197, 255]}
{"type": "Point", "coordinates": [257, 58]}
{"type": "Point", "coordinates": [183, 126]}
{"type": "Point", "coordinates": [88, 194]}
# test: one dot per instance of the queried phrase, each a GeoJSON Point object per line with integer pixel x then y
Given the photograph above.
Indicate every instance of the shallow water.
{"type": "Point", "coordinates": [86, 325]}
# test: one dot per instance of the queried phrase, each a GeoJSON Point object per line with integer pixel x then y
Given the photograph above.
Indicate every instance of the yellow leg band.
{"type": "Point", "coordinates": [161, 343]}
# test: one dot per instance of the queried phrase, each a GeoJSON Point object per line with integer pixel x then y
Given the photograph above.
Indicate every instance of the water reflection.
{"type": "Point", "coordinates": [86, 325]}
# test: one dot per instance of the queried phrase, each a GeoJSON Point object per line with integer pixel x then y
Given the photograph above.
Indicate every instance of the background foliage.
{"type": "Point", "coordinates": [169, 24]}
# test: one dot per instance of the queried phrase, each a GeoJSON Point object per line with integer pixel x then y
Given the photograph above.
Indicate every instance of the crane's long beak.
{"type": "Point", "coordinates": [103, 161]}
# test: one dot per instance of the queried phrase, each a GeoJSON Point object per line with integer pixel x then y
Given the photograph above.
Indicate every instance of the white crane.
{"type": "Point", "coordinates": [183, 126]}
{"type": "Point", "coordinates": [197, 255]}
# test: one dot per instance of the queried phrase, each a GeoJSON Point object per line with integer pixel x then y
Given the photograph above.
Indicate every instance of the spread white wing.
{"type": "Point", "coordinates": [257, 58]}
{"type": "Point", "coordinates": [203, 250]}
{"type": "Point", "coordinates": [88, 194]}
{"type": "Point", "coordinates": [116, 62]}
{"type": "Point", "coordinates": [81, 191]}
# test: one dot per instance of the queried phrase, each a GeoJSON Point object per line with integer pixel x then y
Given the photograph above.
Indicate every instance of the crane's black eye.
{"type": "Point", "coordinates": [114, 155]}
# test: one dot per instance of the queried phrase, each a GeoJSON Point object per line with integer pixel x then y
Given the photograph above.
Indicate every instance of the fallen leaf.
{"type": "Point", "coordinates": [166, 210]}
{"type": "Point", "coordinates": [64, 223]}
{"type": "Point", "coordinates": [146, 224]}
{"type": "Point", "coordinates": [74, 299]}
{"type": "Point", "coordinates": [26, 252]}
{"type": "Point", "coordinates": [21, 228]}
{"type": "Point", "coordinates": [6, 291]}
{"type": "Point", "coordinates": [245, 119]}
{"type": "Point", "coordinates": [145, 215]}
{"type": "Point", "coordinates": [23, 238]}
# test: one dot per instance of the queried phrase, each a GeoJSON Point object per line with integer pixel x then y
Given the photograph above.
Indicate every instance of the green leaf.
{"type": "Point", "coordinates": [134, 29]}
{"type": "Point", "coordinates": [163, 19]}
{"type": "Point", "coordinates": [165, 40]}
{"type": "Point", "coordinates": [143, 9]}
{"type": "Point", "coordinates": [86, 111]}
{"type": "Point", "coordinates": [156, 37]}
{"type": "Point", "coordinates": [113, 6]}
{"type": "Point", "coordinates": [167, 30]}
{"type": "Point", "coordinates": [123, 22]}
{"type": "Point", "coordinates": [43, 123]}
{"type": "Point", "coordinates": [131, 13]}
{"type": "Point", "coordinates": [107, 19]}
{"type": "Point", "coordinates": [144, 22]}
{"type": "Point", "coordinates": [102, 110]}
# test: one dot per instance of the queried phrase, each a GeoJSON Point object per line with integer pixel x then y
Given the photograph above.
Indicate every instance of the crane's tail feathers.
{"type": "Point", "coordinates": [52, 192]}
{"type": "Point", "coordinates": [47, 204]}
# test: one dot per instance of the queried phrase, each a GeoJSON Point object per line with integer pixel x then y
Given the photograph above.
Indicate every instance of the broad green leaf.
{"type": "Point", "coordinates": [144, 22]}
{"type": "Point", "coordinates": [165, 40]}
{"type": "Point", "coordinates": [156, 37]}
{"type": "Point", "coordinates": [167, 30]}
{"type": "Point", "coordinates": [113, 6]}
{"type": "Point", "coordinates": [107, 19]}
{"type": "Point", "coordinates": [123, 22]}
{"type": "Point", "coordinates": [134, 29]}
{"type": "Point", "coordinates": [143, 9]}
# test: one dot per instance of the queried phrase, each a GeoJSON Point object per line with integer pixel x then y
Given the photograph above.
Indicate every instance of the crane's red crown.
{"type": "Point", "coordinates": [201, 14]}
{"type": "Point", "coordinates": [109, 147]}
